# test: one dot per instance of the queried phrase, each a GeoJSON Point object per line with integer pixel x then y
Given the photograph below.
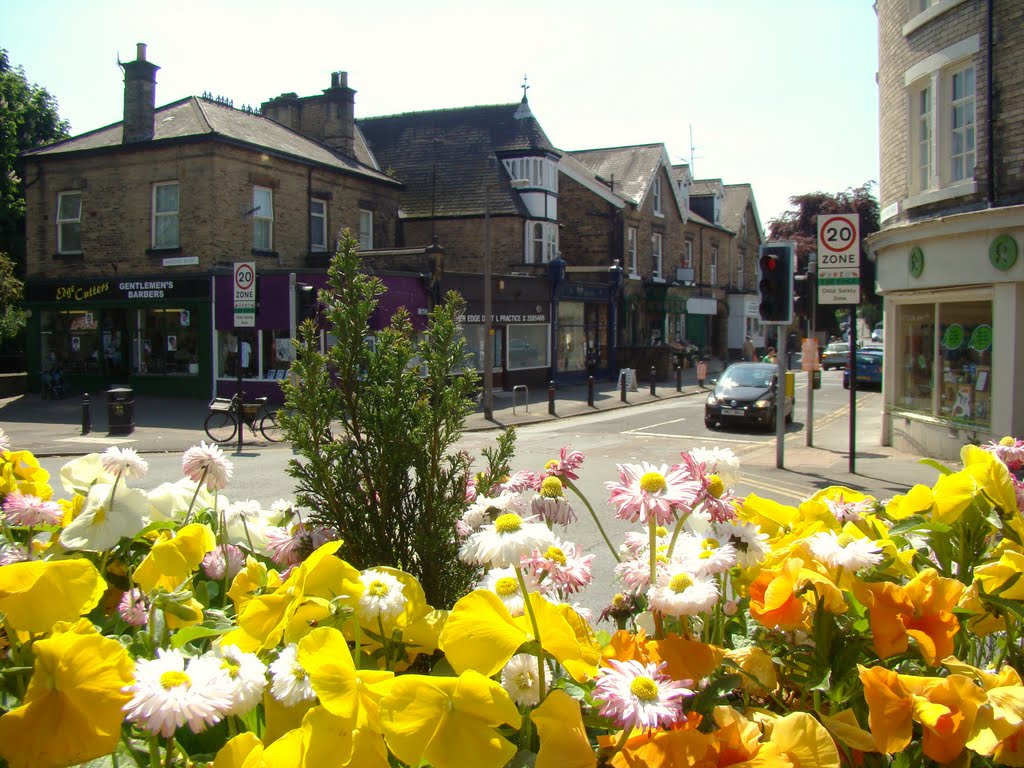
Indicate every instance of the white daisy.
{"type": "Point", "coordinates": [207, 464]}
{"type": "Point", "coordinates": [168, 692]}
{"type": "Point", "coordinates": [281, 510]}
{"type": "Point", "coordinates": [751, 545]}
{"type": "Point", "coordinates": [680, 593]}
{"type": "Point", "coordinates": [505, 541]}
{"type": "Point", "coordinates": [247, 522]}
{"type": "Point", "coordinates": [5, 442]}
{"type": "Point", "coordinates": [290, 682]}
{"type": "Point", "coordinates": [248, 676]}
{"type": "Point", "coordinates": [851, 553]}
{"type": "Point", "coordinates": [505, 584]}
{"type": "Point", "coordinates": [383, 597]}
{"type": "Point", "coordinates": [100, 526]}
{"type": "Point", "coordinates": [521, 680]}
{"type": "Point", "coordinates": [719, 461]}
{"type": "Point", "coordinates": [704, 555]}
{"type": "Point", "coordinates": [124, 461]}
{"type": "Point", "coordinates": [486, 508]}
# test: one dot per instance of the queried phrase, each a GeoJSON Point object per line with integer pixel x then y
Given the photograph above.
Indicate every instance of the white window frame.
{"type": "Point", "coordinates": [714, 265]}
{"type": "Point", "coordinates": [320, 219]}
{"type": "Point", "coordinates": [657, 256]}
{"type": "Point", "coordinates": [656, 192]}
{"type": "Point", "coordinates": [631, 238]}
{"type": "Point", "coordinates": [929, 85]}
{"type": "Point", "coordinates": [365, 229]}
{"type": "Point", "coordinates": [961, 107]}
{"type": "Point", "coordinates": [739, 271]}
{"type": "Point", "coordinates": [63, 221]}
{"type": "Point", "coordinates": [688, 254]}
{"type": "Point", "coordinates": [537, 172]}
{"type": "Point", "coordinates": [156, 215]}
{"type": "Point", "coordinates": [541, 242]}
{"type": "Point", "coordinates": [260, 216]}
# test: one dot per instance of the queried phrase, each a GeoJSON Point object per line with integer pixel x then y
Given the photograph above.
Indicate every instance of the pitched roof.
{"type": "Point", "coordinates": [584, 176]}
{"type": "Point", "coordinates": [706, 187]}
{"type": "Point", "coordinates": [441, 156]}
{"type": "Point", "coordinates": [630, 170]}
{"type": "Point", "coordinates": [734, 206]}
{"type": "Point", "coordinates": [195, 117]}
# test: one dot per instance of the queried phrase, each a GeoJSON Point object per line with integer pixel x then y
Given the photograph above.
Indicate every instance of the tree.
{"type": "Point", "coordinates": [801, 226]}
{"type": "Point", "coordinates": [12, 315]}
{"type": "Point", "coordinates": [374, 425]}
{"type": "Point", "coordinates": [28, 119]}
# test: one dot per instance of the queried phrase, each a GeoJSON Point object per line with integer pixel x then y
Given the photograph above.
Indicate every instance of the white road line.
{"type": "Point", "coordinates": [701, 438]}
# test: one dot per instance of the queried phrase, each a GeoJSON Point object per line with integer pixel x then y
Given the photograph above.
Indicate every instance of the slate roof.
{"type": "Point", "coordinates": [628, 170]}
{"type": "Point", "coordinates": [737, 196]}
{"type": "Point", "coordinates": [195, 117]}
{"type": "Point", "coordinates": [706, 187]}
{"type": "Point", "coordinates": [441, 156]}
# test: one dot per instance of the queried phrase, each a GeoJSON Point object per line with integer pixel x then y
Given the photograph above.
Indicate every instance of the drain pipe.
{"type": "Point", "coordinates": [990, 109]}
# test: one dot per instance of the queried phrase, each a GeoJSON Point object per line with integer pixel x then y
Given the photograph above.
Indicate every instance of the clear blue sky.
{"type": "Point", "coordinates": [777, 93]}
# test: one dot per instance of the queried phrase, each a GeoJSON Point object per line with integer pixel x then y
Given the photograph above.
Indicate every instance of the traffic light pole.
{"type": "Point", "coordinates": [780, 397]}
{"type": "Point", "coordinates": [852, 369]}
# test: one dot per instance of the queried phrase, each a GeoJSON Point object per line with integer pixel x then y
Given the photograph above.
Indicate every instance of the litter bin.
{"type": "Point", "coordinates": [120, 410]}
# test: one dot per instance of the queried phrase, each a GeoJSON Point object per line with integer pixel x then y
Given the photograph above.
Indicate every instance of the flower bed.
{"type": "Point", "coordinates": [172, 627]}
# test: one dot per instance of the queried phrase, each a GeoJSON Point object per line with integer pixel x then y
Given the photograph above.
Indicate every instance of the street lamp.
{"type": "Point", "coordinates": [556, 270]}
{"type": "Point", "coordinates": [615, 277]}
{"type": "Point", "coordinates": [435, 267]}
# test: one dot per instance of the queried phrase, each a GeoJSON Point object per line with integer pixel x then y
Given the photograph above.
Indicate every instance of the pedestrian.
{"type": "Point", "coordinates": [748, 350]}
{"type": "Point", "coordinates": [770, 356]}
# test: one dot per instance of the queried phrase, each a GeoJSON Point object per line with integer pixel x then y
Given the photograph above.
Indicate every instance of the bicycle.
{"type": "Point", "coordinates": [222, 421]}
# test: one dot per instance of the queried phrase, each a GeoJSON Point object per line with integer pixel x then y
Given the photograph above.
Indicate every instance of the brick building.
{"type": "Point", "coordinates": [949, 267]}
{"type": "Point", "coordinates": [133, 230]}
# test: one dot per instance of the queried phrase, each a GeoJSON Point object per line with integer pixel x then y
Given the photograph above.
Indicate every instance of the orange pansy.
{"type": "Point", "coordinates": [773, 598]}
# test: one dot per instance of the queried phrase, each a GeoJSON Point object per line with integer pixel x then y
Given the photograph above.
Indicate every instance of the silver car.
{"type": "Point", "coordinates": [836, 355]}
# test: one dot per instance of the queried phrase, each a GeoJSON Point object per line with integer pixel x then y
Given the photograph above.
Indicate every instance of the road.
{"type": "Point", "coordinates": [656, 433]}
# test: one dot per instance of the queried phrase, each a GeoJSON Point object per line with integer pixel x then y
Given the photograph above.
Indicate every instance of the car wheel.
{"type": "Point", "coordinates": [846, 385]}
{"type": "Point", "coordinates": [789, 417]}
{"type": "Point", "coordinates": [709, 423]}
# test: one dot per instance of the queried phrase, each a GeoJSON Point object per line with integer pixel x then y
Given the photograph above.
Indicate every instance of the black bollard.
{"type": "Point", "coordinates": [590, 391]}
{"type": "Point", "coordinates": [679, 378]}
{"type": "Point", "coordinates": [622, 387]}
{"type": "Point", "coordinates": [86, 414]}
{"type": "Point", "coordinates": [652, 380]}
{"type": "Point", "coordinates": [551, 397]}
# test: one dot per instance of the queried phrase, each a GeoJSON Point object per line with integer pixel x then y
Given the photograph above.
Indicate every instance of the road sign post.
{"type": "Point", "coordinates": [244, 277]}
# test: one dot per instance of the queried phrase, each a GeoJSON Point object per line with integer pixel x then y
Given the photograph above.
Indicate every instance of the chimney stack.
{"type": "Point", "coordinates": [340, 118]}
{"type": "Point", "coordinates": [139, 98]}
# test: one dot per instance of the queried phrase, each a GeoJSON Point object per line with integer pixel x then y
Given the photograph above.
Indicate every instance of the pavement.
{"type": "Point", "coordinates": [54, 428]}
{"type": "Point", "coordinates": [166, 424]}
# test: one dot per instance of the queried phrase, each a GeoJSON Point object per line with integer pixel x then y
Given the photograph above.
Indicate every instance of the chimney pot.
{"type": "Point", "coordinates": [140, 51]}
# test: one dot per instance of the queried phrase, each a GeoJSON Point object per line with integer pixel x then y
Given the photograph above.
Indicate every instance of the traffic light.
{"type": "Point", "coordinates": [803, 285]}
{"type": "Point", "coordinates": [776, 283]}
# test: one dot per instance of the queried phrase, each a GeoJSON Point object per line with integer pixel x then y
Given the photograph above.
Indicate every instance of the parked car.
{"type": "Point", "coordinates": [746, 392]}
{"type": "Point", "coordinates": [869, 369]}
{"type": "Point", "coordinates": [836, 355]}
{"type": "Point", "coordinates": [876, 334]}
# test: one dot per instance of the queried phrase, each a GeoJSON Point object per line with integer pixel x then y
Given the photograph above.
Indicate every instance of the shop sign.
{"type": "Point", "coordinates": [505, 318]}
{"type": "Point", "coordinates": [953, 338]}
{"type": "Point", "coordinates": [981, 338]}
{"type": "Point", "coordinates": [85, 292]}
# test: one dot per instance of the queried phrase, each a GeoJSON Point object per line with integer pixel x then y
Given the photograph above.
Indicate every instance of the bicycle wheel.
{"type": "Point", "coordinates": [270, 427]}
{"type": "Point", "coordinates": [220, 426]}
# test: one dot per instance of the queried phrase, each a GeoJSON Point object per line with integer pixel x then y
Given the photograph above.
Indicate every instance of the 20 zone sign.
{"type": "Point", "coordinates": [839, 241]}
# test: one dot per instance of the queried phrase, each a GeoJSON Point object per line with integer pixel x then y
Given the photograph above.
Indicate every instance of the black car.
{"type": "Point", "coordinates": [746, 392]}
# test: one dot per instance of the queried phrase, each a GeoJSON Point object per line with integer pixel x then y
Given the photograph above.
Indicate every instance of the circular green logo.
{"type": "Point", "coordinates": [915, 262]}
{"type": "Point", "coordinates": [981, 338]}
{"type": "Point", "coordinates": [953, 338]}
{"type": "Point", "coordinates": [1003, 252]}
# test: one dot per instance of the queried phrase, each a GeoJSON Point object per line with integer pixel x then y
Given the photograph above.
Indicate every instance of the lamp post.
{"type": "Point", "coordinates": [615, 279]}
{"type": "Point", "coordinates": [435, 267]}
{"type": "Point", "coordinates": [556, 269]}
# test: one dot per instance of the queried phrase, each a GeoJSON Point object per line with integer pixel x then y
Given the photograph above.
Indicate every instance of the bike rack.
{"type": "Point", "coordinates": [520, 388]}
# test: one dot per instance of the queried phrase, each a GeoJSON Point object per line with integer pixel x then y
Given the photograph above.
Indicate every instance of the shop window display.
{"type": "Point", "coordinates": [572, 337]}
{"type": "Point", "coordinates": [914, 382]}
{"type": "Point", "coordinates": [527, 346]}
{"type": "Point", "coordinates": [238, 349]}
{"type": "Point", "coordinates": [278, 353]}
{"type": "Point", "coordinates": [168, 343]}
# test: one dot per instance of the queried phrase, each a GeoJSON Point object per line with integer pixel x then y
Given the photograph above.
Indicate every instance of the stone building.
{"type": "Point", "coordinates": [949, 267]}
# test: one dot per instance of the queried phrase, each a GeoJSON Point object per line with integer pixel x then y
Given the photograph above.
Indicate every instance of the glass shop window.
{"type": "Point", "coordinates": [527, 346]}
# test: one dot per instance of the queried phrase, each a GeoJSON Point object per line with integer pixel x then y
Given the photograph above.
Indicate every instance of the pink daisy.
{"type": "Point", "coordinates": [1008, 451]}
{"type": "Point", "coordinates": [133, 608]}
{"type": "Point", "coordinates": [12, 553]}
{"type": "Point", "coordinates": [207, 464]}
{"type": "Point", "coordinates": [847, 511]}
{"type": "Point", "coordinates": [639, 695]}
{"type": "Point", "coordinates": [562, 564]}
{"type": "Point", "coordinates": [647, 491]}
{"type": "Point", "coordinates": [565, 465]}
{"type": "Point", "coordinates": [31, 511]}
{"type": "Point", "coordinates": [550, 503]}
{"type": "Point", "coordinates": [708, 492]}
{"type": "Point", "coordinates": [124, 461]}
{"type": "Point", "coordinates": [217, 568]}
{"type": "Point", "coordinates": [635, 573]}
{"type": "Point", "coordinates": [287, 545]}
{"type": "Point", "coordinates": [520, 481]}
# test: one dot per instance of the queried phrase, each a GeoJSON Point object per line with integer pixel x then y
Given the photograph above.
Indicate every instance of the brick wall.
{"type": "Point", "coordinates": [464, 240]}
{"type": "Point", "coordinates": [215, 192]}
{"type": "Point", "coordinates": [590, 232]}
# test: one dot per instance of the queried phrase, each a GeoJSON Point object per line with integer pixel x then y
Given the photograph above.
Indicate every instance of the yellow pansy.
{"type": "Point", "coordinates": [951, 495]}
{"type": "Point", "coordinates": [917, 501]}
{"type": "Point", "coordinates": [251, 579]}
{"type": "Point", "coordinates": [770, 515]}
{"type": "Point", "coordinates": [72, 710]}
{"type": "Point", "coordinates": [422, 635]}
{"type": "Point", "coordinates": [757, 669]}
{"type": "Point", "coordinates": [82, 473]}
{"type": "Point", "coordinates": [172, 562]}
{"type": "Point", "coordinates": [992, 477]}
{"type": "Point", "coordinates": [804, 741]}
{"type": "Point", "coordinates": [20, 471]}
{"type": "Point", "coordinates": [36, 594]}
{"type": "Point", "coordinates": [844, 727]}
{"type": "Point", "coordinates": [448, 722]}
{"type": "Point", "coordinates": [281, 720]}
{"type": "Point", "coordinates": [563, 737]}
{"type": "Point", "coordinates": [240, 749]}
{"type": "Point", "coordinates": [481, 634]}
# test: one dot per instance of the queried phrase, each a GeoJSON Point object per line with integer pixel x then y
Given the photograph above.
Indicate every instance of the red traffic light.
{"type": "Point", "coordinates": [769, 263]}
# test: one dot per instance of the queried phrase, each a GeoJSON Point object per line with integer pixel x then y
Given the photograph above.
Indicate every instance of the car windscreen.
{"type": "Point", "coordinates": [747, 377]}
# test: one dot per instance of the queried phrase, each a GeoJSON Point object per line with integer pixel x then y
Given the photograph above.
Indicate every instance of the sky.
{"type": "Point", "coordinates": [779, 94]}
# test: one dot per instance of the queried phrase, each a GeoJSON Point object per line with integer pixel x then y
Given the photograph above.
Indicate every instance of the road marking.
{"type": "Point", "coordinates": [701, 438]}
{"type": "Point", "coordinates": [776, 489]}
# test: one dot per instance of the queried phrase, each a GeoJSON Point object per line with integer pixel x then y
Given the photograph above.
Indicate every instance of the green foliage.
{"type": "Point", "coordinates": [12, 315]}
{"type": "Point", "coordinates": [375, 425]}
{"type": "Point", "coordinates": [28, 118]}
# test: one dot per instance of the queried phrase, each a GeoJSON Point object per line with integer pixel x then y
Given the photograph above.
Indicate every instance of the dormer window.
{"type": "Point", "coordinates": [533, 172]}
{"type": "Point", "coordinates": [656, 193]}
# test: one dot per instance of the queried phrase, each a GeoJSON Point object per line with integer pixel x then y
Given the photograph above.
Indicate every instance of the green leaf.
{"type": "Point", "coordinates": [186, 635]}
{"type": "Point", "coordinates": [942, 468]}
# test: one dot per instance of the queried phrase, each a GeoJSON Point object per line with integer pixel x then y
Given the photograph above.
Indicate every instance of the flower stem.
{"type": "Point", "coordinates": [608, 754]}
{"type": "Point", "coordinates": [593, 514]}
{"type": "Point", "coordinates": [170, 752]}
{"type": "Point", "coordinates": [652, 526]}
{"type": "Point", "coordinates": [675, 533]}
{"type": "Point", "coordinates": [188, 515]}
{"type": "Point", "coordinates": [536, 629]}
{"type": "Point", "coordinates": [154, 751]}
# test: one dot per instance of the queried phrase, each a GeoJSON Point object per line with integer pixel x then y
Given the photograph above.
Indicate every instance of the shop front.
{"type": "Point", "coordinates": [584, 341]}
{"type": "Point", "coordinates": [152, 334]}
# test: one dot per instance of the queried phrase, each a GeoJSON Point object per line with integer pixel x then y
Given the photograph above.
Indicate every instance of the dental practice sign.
{"type": "Point", "coordinates": [839, 259]}
{"type": "Point", "coordinates": [245, 294]}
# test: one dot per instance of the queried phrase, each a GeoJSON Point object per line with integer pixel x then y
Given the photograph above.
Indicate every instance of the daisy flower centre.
{"type": "Point", "coordinates": [1007, 441]}
{"type": "Point", "coordinates": [553, 463]}
{"type": "Point", "coordinates": [230, 666]}
{"type": "Point", "coordinates": [680, 583]}
{"type": "Point", "coordinates": [377, 589]}
{"type": "Point", "coordinates": [653, 482]}
{"type": "Point", "coordinates": [172, 678]}
{"type": "Point", "coordinates": [524, 680]}
{"type": "Point", "coordinates": [506, 586]}
{"type": "Point", "coordinates": [551, 488]}
{"type": "Point", "coordinates": [619, 600]}
{"type": "Point", "coordinates": [845, 539]}
{"type": "Point", "coordinates": [510, 522]}
{"type": "Point", "coordinates": [556, 554]}
{"type": "Point", "coordinates": [661, 531]}
{"type": "Point", "coordinates": [661, 558]}
{"type": "Point", "coordinates": [708, 548]}
{"type": "Point", "coordinates": [716, 487]}
{"type": "Point", "coordinates": [644, 688]}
